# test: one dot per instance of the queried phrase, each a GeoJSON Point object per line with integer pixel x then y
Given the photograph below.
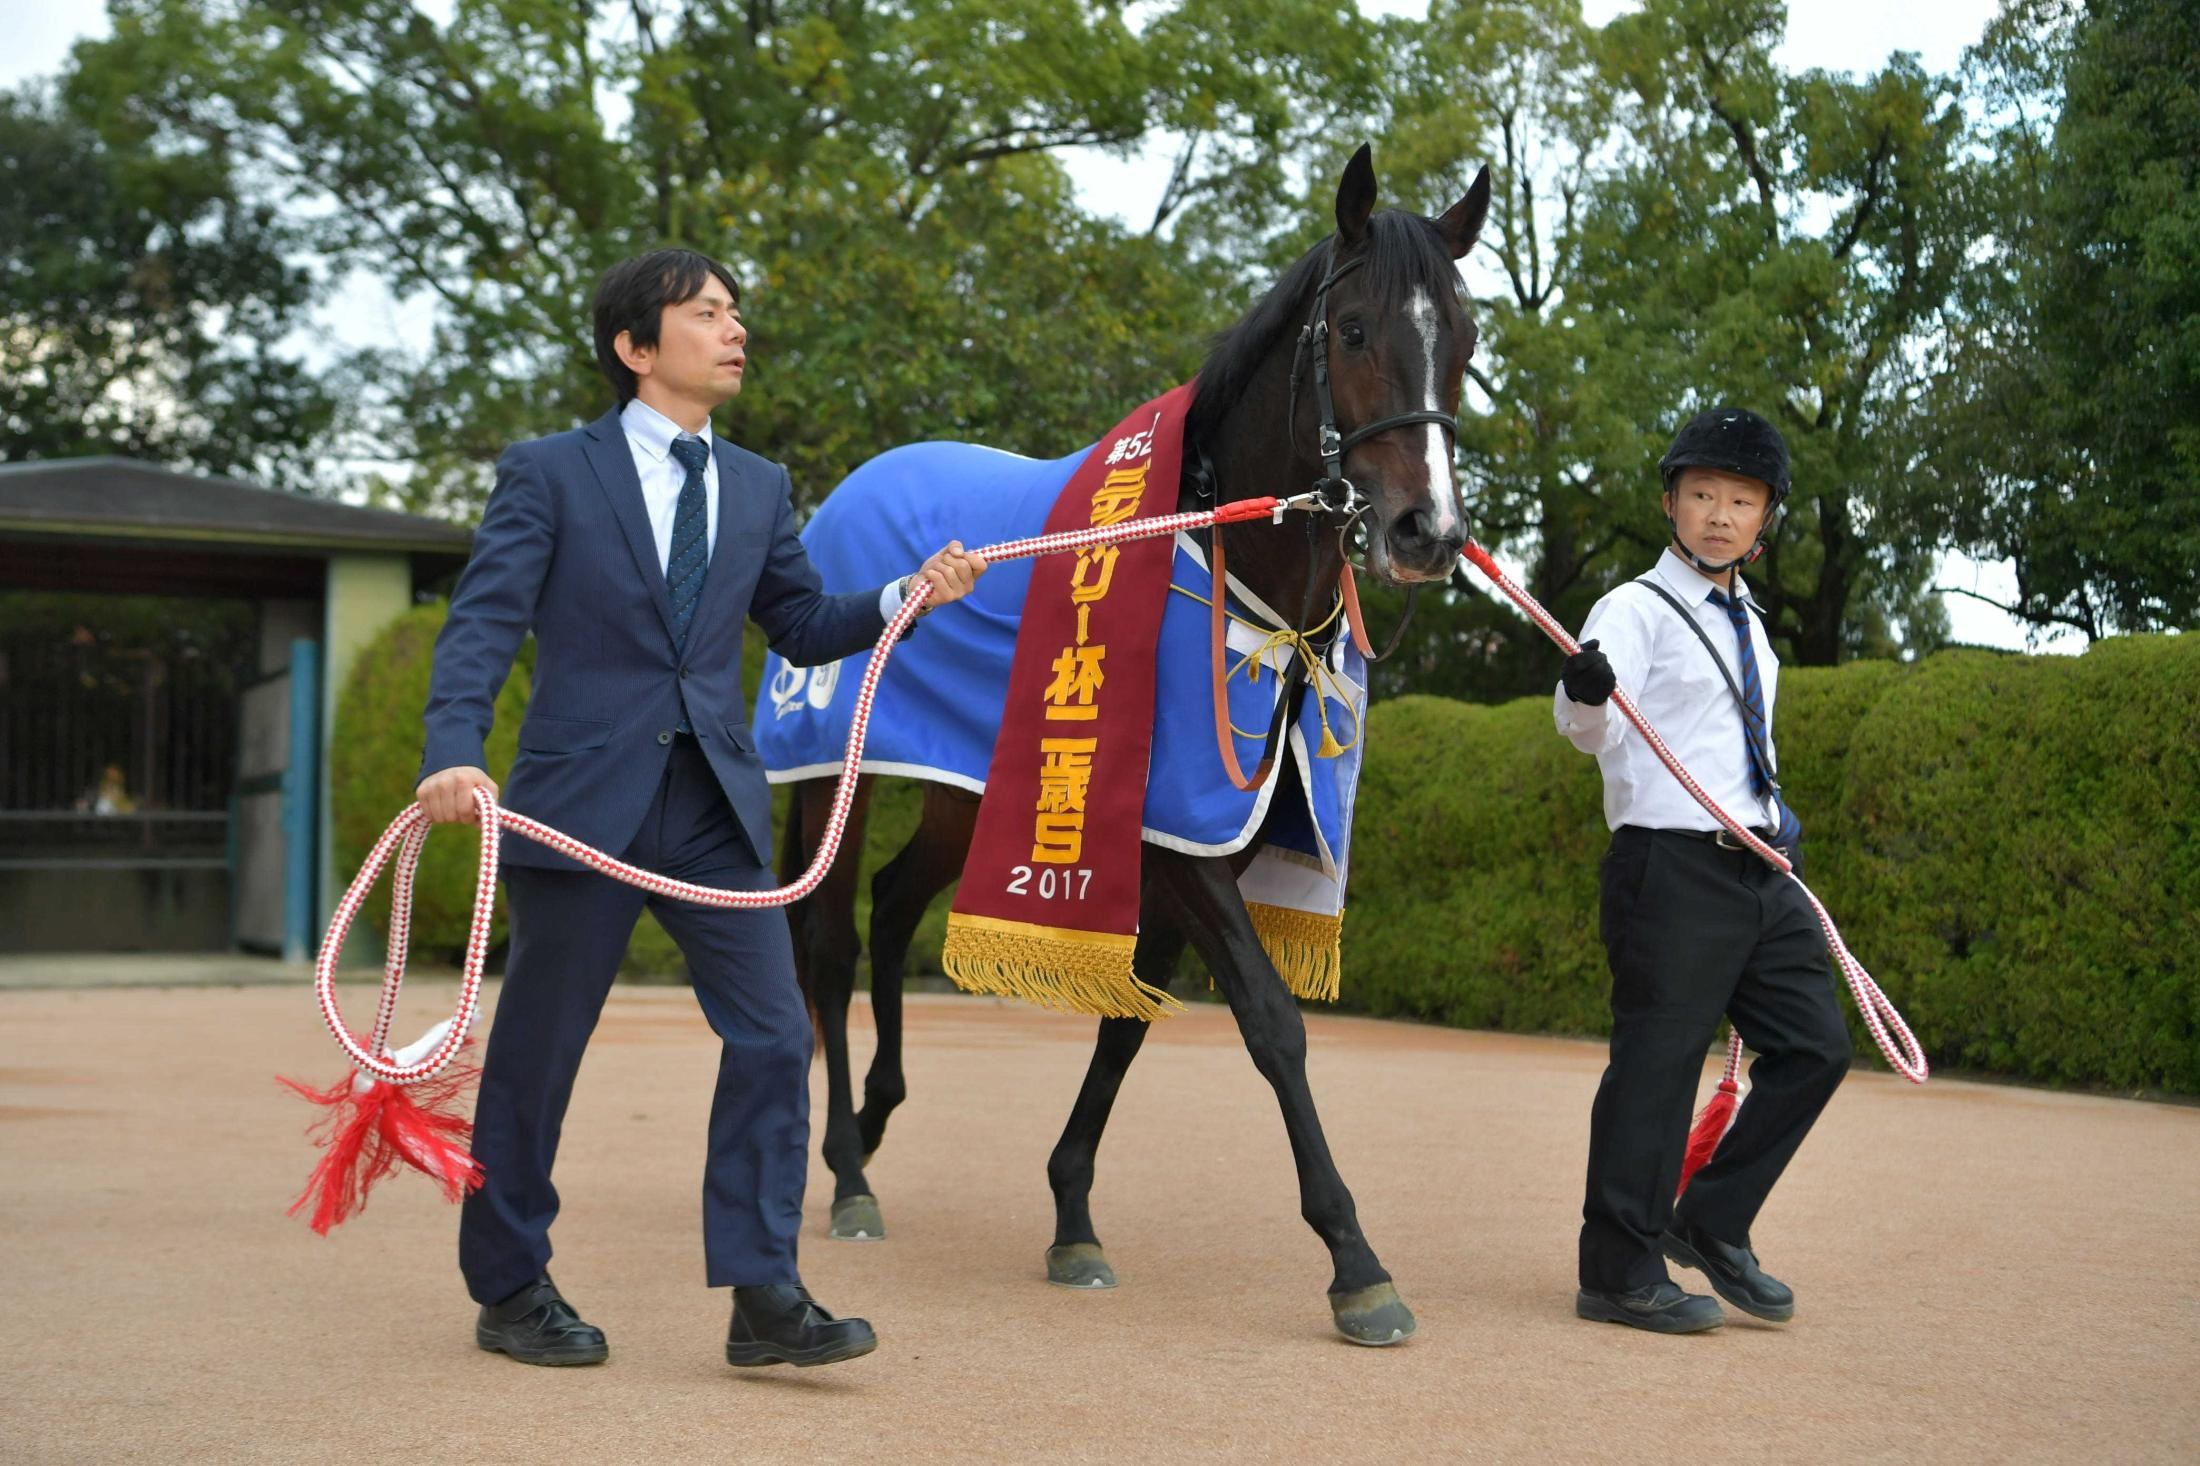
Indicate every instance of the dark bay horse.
{"type": "Point", "coordinates": [1396, 343]}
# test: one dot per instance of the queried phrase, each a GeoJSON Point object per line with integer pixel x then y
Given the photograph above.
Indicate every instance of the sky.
{"type": "Point", "coordinates": [1838, 35]}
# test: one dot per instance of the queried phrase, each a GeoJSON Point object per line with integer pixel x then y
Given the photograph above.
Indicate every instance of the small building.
{"type": "Point", "coordinates": [171, 646]}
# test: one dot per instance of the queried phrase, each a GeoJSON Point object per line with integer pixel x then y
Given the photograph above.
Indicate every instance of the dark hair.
{"type": "Point", "coordinates": [633, 294]}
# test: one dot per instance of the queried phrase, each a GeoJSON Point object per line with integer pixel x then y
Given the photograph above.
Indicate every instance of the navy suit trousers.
{"type": "Point", "coordinates": [569, 932]}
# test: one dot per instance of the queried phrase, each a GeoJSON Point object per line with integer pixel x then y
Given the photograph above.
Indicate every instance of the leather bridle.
{"type": "Point", "coordinates": [1336, 496]}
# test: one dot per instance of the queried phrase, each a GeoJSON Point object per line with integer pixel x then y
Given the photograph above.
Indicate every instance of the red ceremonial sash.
{"type": "Point", "coordinates": [1048, 906]}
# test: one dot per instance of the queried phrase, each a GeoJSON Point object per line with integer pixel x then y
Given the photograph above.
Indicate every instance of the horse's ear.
{"type": "Point", "coordinates": [1462, 222]}
{"type": "Point", "coordinates": [1356, 196]}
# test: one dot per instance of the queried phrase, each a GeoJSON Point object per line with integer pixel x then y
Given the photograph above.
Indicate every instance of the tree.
{"type": "Point", "coordinates": [2071, 393]}
{"type": "Point", "coordinates": [882, 177]}
{"type": "Point", "coordinates": [142, 297]}
{"type": "Point", "coordinates": [1679, 223]}
{"type": "Point", "coordinates": [1517, 84]}
{"type": "Point", "coordinates": [1784, 242]}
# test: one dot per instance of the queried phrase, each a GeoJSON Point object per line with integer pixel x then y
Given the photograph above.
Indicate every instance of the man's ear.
{"type": "Point", "coordinates": [638, 359]}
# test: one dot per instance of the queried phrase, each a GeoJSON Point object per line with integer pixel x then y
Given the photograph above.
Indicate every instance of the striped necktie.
{"type": "Point", "coordinates": [689, 561]}
{"type": "Point", "coordinates": [1761, 782]}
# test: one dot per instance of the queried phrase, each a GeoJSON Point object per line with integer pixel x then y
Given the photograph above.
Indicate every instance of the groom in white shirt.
{"type": "Point", "coordinates": [1694, 925]}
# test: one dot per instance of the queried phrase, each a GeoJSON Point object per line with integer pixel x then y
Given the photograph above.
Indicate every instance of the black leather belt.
{"type": "Point", "coordinates": [1724, 839]}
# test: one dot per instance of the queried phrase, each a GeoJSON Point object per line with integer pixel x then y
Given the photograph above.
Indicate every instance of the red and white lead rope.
{"type": "Point", "coordinates": [408, 835]}
{"type": "Point", "coordinates": [1895, 1040]}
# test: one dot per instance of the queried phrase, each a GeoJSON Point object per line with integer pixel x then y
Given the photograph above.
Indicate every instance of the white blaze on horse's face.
{"type": "Point", "coordinates": [1449, 518]}
{"type": "Point", "coordinates": [1422, 521]}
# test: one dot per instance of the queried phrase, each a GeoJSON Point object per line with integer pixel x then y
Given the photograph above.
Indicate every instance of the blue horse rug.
{"type": "Point", "coordinates": [939, 703]}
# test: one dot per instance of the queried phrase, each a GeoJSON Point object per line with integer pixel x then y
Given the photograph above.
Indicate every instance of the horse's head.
{"type": "Point", "coordinates": [1396, 344]}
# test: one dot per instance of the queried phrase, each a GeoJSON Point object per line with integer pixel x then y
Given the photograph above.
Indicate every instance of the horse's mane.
{"type": "Point", "coordinates": [1404, 253]}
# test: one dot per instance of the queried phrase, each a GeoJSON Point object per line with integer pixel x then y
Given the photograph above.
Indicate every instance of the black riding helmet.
{"type": "Point", "coordinates": [1733, 440]}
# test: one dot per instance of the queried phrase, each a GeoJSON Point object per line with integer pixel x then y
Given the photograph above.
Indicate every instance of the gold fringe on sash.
{"type": "Point", "coordinates": [1304, 945]}
{"type": "Point", "coordinates": [1055, 967]}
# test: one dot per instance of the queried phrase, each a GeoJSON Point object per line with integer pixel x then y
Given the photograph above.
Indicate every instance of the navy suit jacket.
{"type": "Point", "coordinates": [565, 550]}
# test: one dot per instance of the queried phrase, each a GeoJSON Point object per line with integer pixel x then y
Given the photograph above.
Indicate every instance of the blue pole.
{"type": "Point", "coordinates": [301, 799]}
{"type": "Point", "coordinates": [236, 871]}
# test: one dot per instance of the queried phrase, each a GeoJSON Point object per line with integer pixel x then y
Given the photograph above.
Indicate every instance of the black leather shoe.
{"type": "Point", "coordinates": [1662, 1308]}
{"type": "Point", "coordinates": [537, 1326]}
{"type": "Point", "coordinates": [782, 1324]}
{"type": "Point", "coordinates": [1732, 1272]}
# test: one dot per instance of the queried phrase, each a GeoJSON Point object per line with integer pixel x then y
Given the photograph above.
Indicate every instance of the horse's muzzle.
{"type": "Point", "coordinates": [1416, 552]}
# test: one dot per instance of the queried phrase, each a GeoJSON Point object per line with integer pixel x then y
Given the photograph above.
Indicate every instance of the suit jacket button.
{"type": "Point", "coordinates": [685, 670]}
{"type": "Point", "coordinates": [665, 736]}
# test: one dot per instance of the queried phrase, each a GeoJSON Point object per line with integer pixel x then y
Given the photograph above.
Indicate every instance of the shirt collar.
{"type": "Point", "coordinates": [1681, 578]}
{"type": "Point", "coordinates": [650, 429]}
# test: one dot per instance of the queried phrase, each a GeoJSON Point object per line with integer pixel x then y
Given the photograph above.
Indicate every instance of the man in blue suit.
{"type": "Point", "coordinates": [634, 549]}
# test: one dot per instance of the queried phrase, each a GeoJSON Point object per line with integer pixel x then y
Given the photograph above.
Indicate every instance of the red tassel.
{"type": "Point", "coordinates": [371, 1126]}
{"type": "Point", "coordinates": [1710, 1129]}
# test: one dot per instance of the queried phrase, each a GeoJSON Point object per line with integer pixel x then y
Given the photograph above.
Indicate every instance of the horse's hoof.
{"type": "Point", "coordinates": [1079, 1265]}
{"type": "Point", "coordinates": [1372, 1316]}
{"type": "Point", "coordinates": [857, 1219]}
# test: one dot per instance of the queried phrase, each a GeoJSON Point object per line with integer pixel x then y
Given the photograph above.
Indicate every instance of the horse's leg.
{"type": "Point", "coordinates": [824, 926]}
{"type": "Point", "coordinates": [901, 891]}
{"type": "Point", "coordinates": [1075, 1260]}
{"type": "Point", "coordinates": [1204, 894]}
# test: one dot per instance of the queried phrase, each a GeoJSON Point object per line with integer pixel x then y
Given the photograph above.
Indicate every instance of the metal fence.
{"type": "Point", "coordinates": [118, 728]}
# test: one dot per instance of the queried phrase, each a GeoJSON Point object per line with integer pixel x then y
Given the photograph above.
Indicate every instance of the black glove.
{"type": "Point", "coordinates": [1587, 676]}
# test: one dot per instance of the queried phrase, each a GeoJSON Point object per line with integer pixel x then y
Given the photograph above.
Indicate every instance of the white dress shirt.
{"type": "Point", "coordinates": [1664, 668]}
{"type": "Point", "coordinates": [649, 435]}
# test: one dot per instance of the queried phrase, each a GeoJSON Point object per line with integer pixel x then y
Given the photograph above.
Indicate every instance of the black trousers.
{"type": "Point", "coordinates": [569, 931]}
{"type": "Point", "coordinates": [1693, 931]}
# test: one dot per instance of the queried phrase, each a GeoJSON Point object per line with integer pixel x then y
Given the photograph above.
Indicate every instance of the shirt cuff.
{"type": "Point", "coordinates": [889, 599]}
{"type": "Point", "coordinates": [1592, 729]}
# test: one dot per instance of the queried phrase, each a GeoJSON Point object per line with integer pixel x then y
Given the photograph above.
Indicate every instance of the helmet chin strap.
{"type": "Point", "coordinates": [1709, 567]}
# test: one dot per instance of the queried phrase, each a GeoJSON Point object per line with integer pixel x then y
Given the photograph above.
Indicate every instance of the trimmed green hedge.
{"type": "Point", "coordinates": [374, 762]}
{"type": "Point", "coordinates": [2008, 844]}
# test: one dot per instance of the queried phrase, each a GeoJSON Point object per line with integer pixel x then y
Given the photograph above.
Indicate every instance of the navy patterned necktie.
{"type": "Point", "coordinates": [689, 561]}
{"type": "Point", "coordinates": [1753, 719]}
